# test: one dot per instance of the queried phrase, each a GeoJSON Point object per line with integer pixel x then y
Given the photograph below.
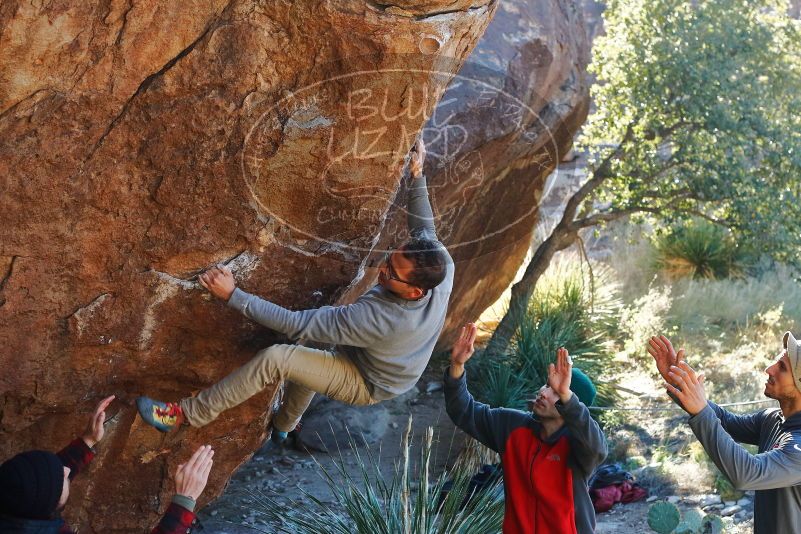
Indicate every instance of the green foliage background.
{"type": "Point", "coordinates": [698, 113]}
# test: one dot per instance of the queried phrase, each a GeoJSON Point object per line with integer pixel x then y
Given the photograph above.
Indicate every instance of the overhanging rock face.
{"type": "Point", "coordinates": [505, 122]}
{"type": "Point", "coordinates": [141, 143]}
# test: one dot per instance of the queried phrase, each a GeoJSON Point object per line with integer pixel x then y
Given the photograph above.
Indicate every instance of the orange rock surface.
{"type": "Point", "coordinates": [142, 142]}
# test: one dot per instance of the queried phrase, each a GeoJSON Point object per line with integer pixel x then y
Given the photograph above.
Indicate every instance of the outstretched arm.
{"type": "Point", "coordinates": [744, 428]}
{"type": "Point", "coordinates": [587, 438]}
{"type": "Point", "coordinates": [79, 453]}
{"type": "Point", "coordinates": [190, 480]}
{"type": "Point", "coordinates": [420, 214]}
{"type": "Point", "coordinates": [490, 426]}
{"type": "Point", "coordinates": [76, 456]}
{"type": "Point", "coordinates": [361, 324]}
{"type": "Point", "coordinates": [777, 468]}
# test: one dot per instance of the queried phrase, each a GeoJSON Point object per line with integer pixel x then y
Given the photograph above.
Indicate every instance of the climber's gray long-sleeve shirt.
{"type": "Point", "coordinates": [775, 473]}
{"type": "Point", "coordinates": [391, 339]}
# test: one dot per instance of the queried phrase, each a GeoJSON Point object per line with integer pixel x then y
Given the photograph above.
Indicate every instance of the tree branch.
{"type": "Point", "coordinates": [599, 175]}
{"type": "Point", "coordinates": [613, 215]}
{"type": "Point", "coordinates": [709, 218]}
{"type": "Point", "coordinates": [562, 236]}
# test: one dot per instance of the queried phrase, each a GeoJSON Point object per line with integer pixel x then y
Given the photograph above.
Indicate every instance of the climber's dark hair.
{"type": "Point", "coordinates": [430, 260]}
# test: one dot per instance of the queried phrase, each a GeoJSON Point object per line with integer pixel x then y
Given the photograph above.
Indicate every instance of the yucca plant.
{"type": "Point", "coordinates": [699, 249]}
{"type": "Point", "coordinates": [590, 297]}
{"type": "Point", "coordinates": [569, 309]}
{"type": "Point", "coordinates": [408, 502]}
{"type": "Point", "coordinates": [499, 384]}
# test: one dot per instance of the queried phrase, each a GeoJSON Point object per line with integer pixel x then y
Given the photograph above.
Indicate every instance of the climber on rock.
{"type": "Point", "coordinates": [382, 342]}
{"type": "Point", "coordinates": [774, 473]}
{"type": "Point", "coordinates": [35, 485]}
{"type": "Point", "coordinates": [548, 456]}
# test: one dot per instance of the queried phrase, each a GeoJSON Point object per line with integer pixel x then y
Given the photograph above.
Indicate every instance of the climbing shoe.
{"type": "Point", "coordinates": [280, 442]}
{"type": "Point", "coordinates": [163, 416]}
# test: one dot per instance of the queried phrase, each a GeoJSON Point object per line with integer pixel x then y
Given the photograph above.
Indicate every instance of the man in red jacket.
{"type": "Point", "coordinates": [547, 456]}
{"type": "Point", "coordinates": [35, 485]}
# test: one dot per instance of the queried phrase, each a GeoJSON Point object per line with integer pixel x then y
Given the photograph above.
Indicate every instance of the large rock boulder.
{"type": "Point", "coordinates": [505, 122]}
{"type": "Point", "coordinates": [332, 425]}
{"type": "Point", "coordinates": [143, 142]}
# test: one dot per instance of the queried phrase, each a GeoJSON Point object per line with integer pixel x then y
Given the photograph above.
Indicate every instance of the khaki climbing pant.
{"type": "Point", "coordinates": [307, 370]}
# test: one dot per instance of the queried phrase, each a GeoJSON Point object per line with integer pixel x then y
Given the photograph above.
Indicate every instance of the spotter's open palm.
{"type": "Point", "coordinates": [560, 374]}
{"type": "Point", "coordinates": [665, 356]}
{"type": "Point", "coordinates": [464, 347]}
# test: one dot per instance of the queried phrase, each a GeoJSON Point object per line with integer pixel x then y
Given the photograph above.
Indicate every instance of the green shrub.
{"type": "Point", "coordinates": [577, 311]}
{"type": "Point", "coordinates": [369, 502]}
{"type": "Point", "coordinates": [567, 310]}
{"type": "Point", "coordinates": [500, 385]}
{"type": "Point", "coordinates": [699, 249]}
{"type": "Point", "coordinates": [573, 291]}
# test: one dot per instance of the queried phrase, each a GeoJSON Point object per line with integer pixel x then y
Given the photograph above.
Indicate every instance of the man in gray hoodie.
{"type": "Point", "coordinates": [383, 341]}
{"type": "Point", "coordinates": [775, 472]}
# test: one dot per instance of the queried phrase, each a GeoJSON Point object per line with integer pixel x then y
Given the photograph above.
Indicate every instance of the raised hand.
{"type": "Point", "coordinates": [191, 477]}
{"type": "Point", "coordinates": [560, 374]}
{"type": "Point", "coordinates": [94, 430]}
{"type": "Point", "coordinates": [219, 281]}
{"type": "Point", "coordinates": [418, 158]}
{"type": "Point", "coordinates": [665, 355]}
{"type": "Point", "coordinates": [463, 349]}
{"type": "Point", "coordinates": [690, 391]}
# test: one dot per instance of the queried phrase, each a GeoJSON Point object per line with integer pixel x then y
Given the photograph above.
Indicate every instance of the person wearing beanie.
{"type": "Point", "coordinates": [547, 454]}
{"type": "Point", "coordinates": [774, 473]}
{"type": "Point", "coordinates": [34, 485]}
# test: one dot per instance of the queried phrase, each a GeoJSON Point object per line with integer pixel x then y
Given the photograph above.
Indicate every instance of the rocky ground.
{"type": "Point", "coordinates": [633, 518]}
{"type": "Point", "coordinates": [660, 442]}
{"type": "Point", "coordinates": [289, 476]}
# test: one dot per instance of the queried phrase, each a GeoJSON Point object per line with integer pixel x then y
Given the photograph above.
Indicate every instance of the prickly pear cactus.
{"type": "Point", "coordinates": [692, 522]}
{"type": "Point", "coordinates": [712, 524]}
{"type": "Point", "coordinates": [663, 517]}
{"type": "Point", "coordinates": [684, 528]}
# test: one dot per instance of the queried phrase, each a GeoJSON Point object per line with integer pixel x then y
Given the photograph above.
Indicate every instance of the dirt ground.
{"type": "Point", "coordinates": [287, 476]}
{"type": "Point", "coordinates": [633, 519]}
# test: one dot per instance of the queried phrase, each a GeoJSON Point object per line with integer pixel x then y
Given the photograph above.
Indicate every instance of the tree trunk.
{"type": "Point", "coordinates": [562, 237]}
